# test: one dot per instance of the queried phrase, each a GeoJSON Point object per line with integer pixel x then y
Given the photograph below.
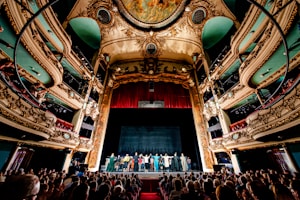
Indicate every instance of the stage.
{"type": "Point", "coordinates": [153, 175]}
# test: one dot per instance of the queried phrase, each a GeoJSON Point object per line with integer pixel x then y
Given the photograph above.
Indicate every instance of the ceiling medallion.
{"type": "Point", "coordinates": [151, 13]}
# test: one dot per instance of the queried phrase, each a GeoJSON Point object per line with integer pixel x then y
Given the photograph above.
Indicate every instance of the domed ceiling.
{"type": "Point", "coordinates": [151, 13]}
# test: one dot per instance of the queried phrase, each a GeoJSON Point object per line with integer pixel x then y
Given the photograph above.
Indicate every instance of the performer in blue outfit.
{"type": "Point", "coordinates": [156, 162]}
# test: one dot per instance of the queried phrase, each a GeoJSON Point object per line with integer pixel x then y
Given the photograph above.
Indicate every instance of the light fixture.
{"type": "Point", "coordinates": [1, 29]}
{"type": "Point", "coordinates": [36, 72]}
{"type": "Point", "coordinates": [265, 73]}
{"type": "Point", "coordinates": [195, 57]}
{"type": "Point", "coordinates": [106, 56]}
{"type": "Point", "coordinates": [151, 71]}
{"type": "Point", "coordinates": [71, 93]}
{"type": "Point", "coordinates": [187, 9]}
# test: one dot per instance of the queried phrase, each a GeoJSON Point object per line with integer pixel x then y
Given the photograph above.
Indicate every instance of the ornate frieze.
{"type": "Point", "coordinates": [210, 109]}
{"type": "Point", "coordinates": [285, 113]}
{"type": "Point", "coordinates": [22, 115]}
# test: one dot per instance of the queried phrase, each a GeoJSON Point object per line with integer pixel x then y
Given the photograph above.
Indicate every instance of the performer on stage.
{"type": "Point", "coordinates": [140, 162]}
{"type": "Point", "coordinates": [166, 159]}
{"type": "Point", "coordinates": [126, 161]}
{"type": "Point", "coordinates": [151, 163]}
{"type": "Point", "coordinates": [156, 162]}
{"type": "Point", "coordinates": [183, 163]}
{"type": "Point", "coordinates": [189, 163]}
{"type": "Point", "coordinates": [111, 164]}
{"type": "Point", "coordinates": [147, 166]}
{"type": "Point", "coordinates": [136, 162]}
{"type": "Point", "coordinates": [175, 163]}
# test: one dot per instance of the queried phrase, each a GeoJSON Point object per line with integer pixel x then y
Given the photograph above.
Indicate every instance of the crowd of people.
{"type": "Point", "coordinates": [220, 185]}
{"type": "Point", "coordinates": [52, 185]}
{"type": "Point", "coordinates": [224, 185]}
{"type": "Point", "coordinates": [148, 162]}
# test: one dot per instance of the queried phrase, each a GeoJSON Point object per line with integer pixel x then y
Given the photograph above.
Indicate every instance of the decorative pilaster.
{"type": "Point", "coordinates": [201, 132]}
{"type": "Point", "coordinates": [99, 133]}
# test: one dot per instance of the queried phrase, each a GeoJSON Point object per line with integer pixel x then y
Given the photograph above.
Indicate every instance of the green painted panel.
{"type": "Point", "coordinates": [214, 31]}
{"type": "Point", "coordinates": [232, 69]}
{"type": "Point", "coordinates": [278, 59]}
{"type": "Point", "coordinates": [261, 17]}
{"type": "Point", "coordinates": [51, 98]}
{"type": "Point", "coordinates": [24, 59]}
{"type": "Point", "coordinates": [248, 100]}
{"type": "Point", "coordinates": [69, 67]}
{"type": "Point", "coordinates": [88, 30]}
{"type": "Point", "coordinates": [251, 47]}
{"type": "Point", "coordinates": [35, 8]}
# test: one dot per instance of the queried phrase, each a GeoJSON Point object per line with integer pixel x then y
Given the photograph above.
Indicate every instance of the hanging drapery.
{"type": "Point", "coordinates": [21, 158]}
{"type": "Point", "coordinates": [129, 95]}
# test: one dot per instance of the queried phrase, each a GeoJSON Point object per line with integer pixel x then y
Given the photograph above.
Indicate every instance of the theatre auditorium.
{"type": "Point", "coordinates": [149, 86]}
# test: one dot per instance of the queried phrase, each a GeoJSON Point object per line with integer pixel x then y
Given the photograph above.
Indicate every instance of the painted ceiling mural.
{"type": "Point", "coordinates": [151, 13]}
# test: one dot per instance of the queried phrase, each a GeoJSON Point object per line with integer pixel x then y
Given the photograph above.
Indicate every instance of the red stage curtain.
{"type": "Point", "coordinates": [128, 95]}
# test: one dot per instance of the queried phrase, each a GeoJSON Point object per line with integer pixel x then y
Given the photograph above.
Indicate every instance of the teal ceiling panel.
{"type": "Point", "coordinates": [214, 30]}
{"type": "Point", "coordinates": [87, 30]}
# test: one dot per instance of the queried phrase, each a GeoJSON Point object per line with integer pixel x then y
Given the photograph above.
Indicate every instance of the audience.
{"type": "Point", "coordinates": [52, 185]}
{"type": "Point", "coordinates": [225, 185]}
{"type": "Point", "coordinates": [20, 187]}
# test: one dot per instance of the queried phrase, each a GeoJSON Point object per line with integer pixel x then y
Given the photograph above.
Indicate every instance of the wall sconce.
{"type": "Point", "coordinates": [1, 29]}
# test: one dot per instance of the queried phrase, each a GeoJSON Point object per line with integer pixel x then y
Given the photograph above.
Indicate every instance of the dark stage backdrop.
{"type": "Point", "coordinates": [170, 120]}
{"type": "Point", "coordinates": [150, 139]}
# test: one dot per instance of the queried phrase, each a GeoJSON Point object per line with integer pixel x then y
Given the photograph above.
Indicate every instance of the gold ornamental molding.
{"type": "Point", "coordinates": [267, 45]}
{"type": "Point", "coordinates": [56, 27]}
{"type": "Point", "coordinates": [234, 95]}
{"type": "Point", "coordinates": [33, 42]}
{"type": "Point", "coordinates": [282, 115]}
{"type": "Point", "coordinates": [68, 95]}
{"type": "Point", "coordinates": [19, 114]}
{"type": "Point", "coordinates": [246, 26]}
{"type": "Point", "coordinates": [294, 62]}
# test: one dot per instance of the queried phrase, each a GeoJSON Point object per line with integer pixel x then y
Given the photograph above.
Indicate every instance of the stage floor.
{"type": "Point", "coordinates": [153, 175]}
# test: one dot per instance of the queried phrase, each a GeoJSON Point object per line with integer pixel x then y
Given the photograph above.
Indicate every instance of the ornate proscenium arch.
{"type": "Point", "coordinates": [148, 14]}
{"type": "Point", "coordinates": [18, 42]}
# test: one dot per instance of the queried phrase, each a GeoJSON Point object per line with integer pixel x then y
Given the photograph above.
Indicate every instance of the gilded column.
{"type": "Point", "coordinates": [201, 131]}
{"type": "Point", "coordinates": [100, 130]}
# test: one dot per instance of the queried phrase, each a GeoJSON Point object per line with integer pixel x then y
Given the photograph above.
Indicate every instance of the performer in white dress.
{"type": "Point", "coordinates": [183, 163]}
